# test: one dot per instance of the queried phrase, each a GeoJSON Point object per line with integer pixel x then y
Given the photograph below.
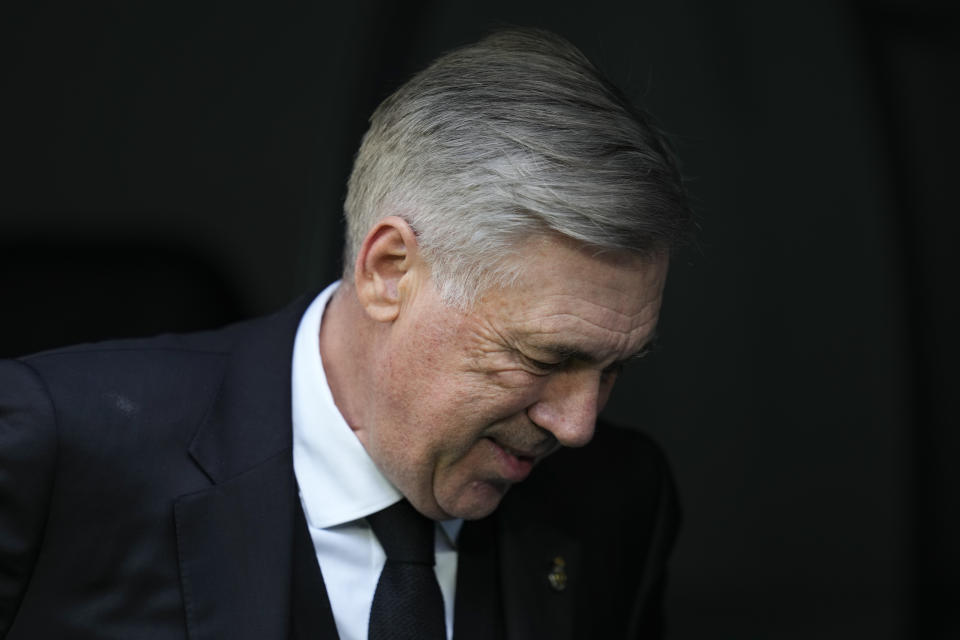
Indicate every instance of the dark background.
{"type": "Point", "coordinates": [176, 167]}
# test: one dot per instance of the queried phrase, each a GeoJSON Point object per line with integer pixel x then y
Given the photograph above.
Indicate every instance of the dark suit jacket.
{"type": "Point", "coordinates": [147, 491]}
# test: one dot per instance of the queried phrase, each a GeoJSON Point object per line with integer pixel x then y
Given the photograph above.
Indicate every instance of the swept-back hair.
{"type": "Point", "coordinates": [515, 135]}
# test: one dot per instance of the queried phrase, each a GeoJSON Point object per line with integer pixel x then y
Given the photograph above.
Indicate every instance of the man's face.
{"type": "Point", "coordinates": [468, 402]}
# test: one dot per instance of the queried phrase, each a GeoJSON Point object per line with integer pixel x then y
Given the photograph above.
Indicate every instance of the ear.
{"type": "Point", "coordinates": [386, 263]}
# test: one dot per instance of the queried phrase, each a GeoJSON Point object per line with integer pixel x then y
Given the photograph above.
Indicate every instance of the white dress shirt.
{"type": "Point", "coordinates": [340, 485]}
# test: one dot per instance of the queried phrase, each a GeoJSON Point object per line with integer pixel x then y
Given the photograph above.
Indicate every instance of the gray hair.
{"type": "Point", "coordinates": [515, 135]}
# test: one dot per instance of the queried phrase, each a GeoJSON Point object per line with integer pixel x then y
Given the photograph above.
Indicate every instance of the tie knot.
{"type": "Point", "coordinates": [405, 534]}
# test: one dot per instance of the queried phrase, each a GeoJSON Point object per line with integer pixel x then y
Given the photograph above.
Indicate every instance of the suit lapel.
{"type": "Point", "coordinates": [234, 545]}
{"type": "Point", "coordinates": [477, 608]}
{"type": "Point", "coordinates": [234, 539]}
{"type": "Point", "coordinates": [531, 550]}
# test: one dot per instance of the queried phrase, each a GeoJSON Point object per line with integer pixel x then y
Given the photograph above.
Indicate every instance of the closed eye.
{"type": "Point", "coordinates": [566, 355]}
{"type": "Point", "coordinates": [544, 368]}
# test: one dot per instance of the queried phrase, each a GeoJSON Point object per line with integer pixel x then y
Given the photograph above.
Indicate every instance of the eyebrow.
{"type": "Point", "coordinates": [566, 352]}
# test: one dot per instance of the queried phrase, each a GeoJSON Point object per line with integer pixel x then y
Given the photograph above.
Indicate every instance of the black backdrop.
{"type": "Point", "coordinates": [175, 167]}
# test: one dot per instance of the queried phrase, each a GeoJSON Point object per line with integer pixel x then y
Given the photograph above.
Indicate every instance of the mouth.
{"type": "Point", "coordinates": [515, 464]}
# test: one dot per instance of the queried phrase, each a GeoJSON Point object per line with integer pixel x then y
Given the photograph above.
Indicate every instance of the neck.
{"type": "Point", "coordinates": [346, 342]}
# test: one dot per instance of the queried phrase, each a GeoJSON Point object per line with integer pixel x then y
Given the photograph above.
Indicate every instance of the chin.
{"type": "Point", "coordinates": [478, 500]}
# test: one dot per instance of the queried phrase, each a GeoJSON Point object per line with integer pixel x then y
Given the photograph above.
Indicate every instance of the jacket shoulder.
{"type": "Point", "coordinates": [178, 358]}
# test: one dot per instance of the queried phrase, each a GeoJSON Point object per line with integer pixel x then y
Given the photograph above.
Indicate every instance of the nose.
{"type": "Point", "coordinates": [568, 406]}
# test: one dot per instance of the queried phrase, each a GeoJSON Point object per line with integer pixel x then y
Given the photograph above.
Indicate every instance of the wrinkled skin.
{"type": "Point", "coordinates": [468, 402]}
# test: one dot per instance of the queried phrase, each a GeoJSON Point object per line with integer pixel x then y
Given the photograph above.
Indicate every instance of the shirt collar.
{"type": "Point", "coordinates": [338, 480]}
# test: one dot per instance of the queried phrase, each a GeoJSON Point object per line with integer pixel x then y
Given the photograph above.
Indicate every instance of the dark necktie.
{"type": "Point", "coordinates": [407, 604]}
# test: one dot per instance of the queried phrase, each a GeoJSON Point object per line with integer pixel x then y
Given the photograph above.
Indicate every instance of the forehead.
{"type": "Point", "coordinates": [566, 295]}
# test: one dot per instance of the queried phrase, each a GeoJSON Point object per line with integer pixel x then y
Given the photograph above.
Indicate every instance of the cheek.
{"type": "Point", "coordinates": [504, 395]}
{"type": "Point", "coordinates": [416, 373]}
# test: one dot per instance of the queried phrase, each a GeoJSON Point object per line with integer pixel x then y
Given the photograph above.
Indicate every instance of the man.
{"type": "Point", "coordinates": [510, 219]}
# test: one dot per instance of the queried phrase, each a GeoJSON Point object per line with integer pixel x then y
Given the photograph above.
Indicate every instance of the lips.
{"type": "Point", "coordinates": [514, 464]}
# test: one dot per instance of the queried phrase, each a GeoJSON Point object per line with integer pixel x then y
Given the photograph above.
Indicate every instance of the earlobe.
{"type": "Point", "coordinates": [387, 255]}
